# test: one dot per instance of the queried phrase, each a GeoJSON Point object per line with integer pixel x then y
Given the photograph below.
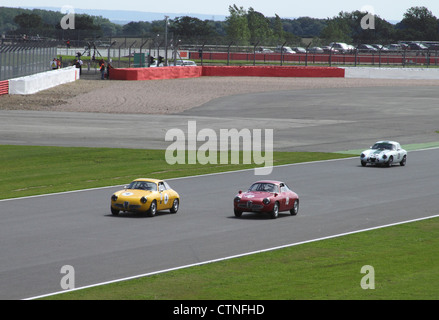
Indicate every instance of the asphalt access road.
{"type": "Point", "coordinates": [39, 235]}
{"type": "Point", "coordinates": [324, 120]}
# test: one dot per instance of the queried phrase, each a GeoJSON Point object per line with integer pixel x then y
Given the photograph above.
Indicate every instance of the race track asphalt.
{"type": "Point", "coordinates": [40, 235]}
{"type": "Point", "coordinates": [325, 120]}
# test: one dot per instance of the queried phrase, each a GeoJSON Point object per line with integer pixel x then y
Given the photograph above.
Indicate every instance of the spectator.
{"type": "Point", "coordinates": [102, 68]}
{"type": "Point", "coordinates": [109, 67]}
{"type": "Point", "coordinates": [54, 64]}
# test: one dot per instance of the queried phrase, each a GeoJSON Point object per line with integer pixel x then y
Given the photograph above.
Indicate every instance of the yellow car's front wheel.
{"type": "Point", "coordinates": [152, 209]}
{"type": "Point", "coordinates": [114, 212]}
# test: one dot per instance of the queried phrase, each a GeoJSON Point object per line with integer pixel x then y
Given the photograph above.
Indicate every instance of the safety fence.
{"type": "Point", "coordinates": [397, 58]}
{"type": "Point", "coordinates": [22, 59]}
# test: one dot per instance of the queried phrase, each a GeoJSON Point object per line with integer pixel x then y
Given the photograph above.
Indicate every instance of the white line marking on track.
{"type": "Point", "coordinates": [229, 257]}
{"type": "Point", "coordinates": [232, 257]}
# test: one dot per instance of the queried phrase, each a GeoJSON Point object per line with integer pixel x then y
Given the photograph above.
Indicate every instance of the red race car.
{"type": "Point", "coordinates": [267, 196]}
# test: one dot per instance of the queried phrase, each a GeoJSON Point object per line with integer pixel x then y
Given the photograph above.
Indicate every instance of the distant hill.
{"type": "Point", "coordinates": [123, 17]}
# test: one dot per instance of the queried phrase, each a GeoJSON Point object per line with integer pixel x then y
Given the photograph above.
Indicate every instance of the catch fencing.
{"type": "Point", "coordinates": [26, 58]}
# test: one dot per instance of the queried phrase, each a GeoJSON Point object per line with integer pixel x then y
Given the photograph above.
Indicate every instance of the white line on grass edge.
{"type": "Point", "coordinates": [231, 257]}
{"type": "Point", "coordinates": [224, 258]}
{"type": "Point", "coordinates": [177, 178]}
{"type": "Point", "coordinates": [196, 176]}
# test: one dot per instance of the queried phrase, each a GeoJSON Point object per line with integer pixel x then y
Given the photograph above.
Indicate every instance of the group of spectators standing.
{"type": "Point", "coordinates": [55, 64]}
{"type": "Point", "coordinates": [104, 70]}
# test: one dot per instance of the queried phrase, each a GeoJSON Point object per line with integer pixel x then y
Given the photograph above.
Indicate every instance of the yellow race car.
{"type": "Point", "coordinates": [145, 196]}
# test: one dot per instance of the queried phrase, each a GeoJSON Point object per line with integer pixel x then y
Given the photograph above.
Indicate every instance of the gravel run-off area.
{"type": "Point", "coordinates": [171, 96]}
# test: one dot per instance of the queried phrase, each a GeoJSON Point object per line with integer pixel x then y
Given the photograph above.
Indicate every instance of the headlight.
{"type": "Point", "coordinates": [362, 155]}
{"type": "Point", "coordinates": [384, 156]}
{"type": "Point", "coordinates": [237, 199]}
{"type": "Point", "coordinates": [114, 197]}
{"type": "Point", "coordinates": [143, 199]}
{"type": "Point", "coordinates": [266, 201]}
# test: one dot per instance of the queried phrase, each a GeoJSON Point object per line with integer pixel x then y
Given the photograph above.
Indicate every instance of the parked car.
{"type": "Point", "coordinates": [384, 153]}
{"type": "Point", "coordinates": [380, 47]}
{"type": "Point", "coordinates": [299, 50]}
{"type": "Point", "coordinates": [185, 63]}
{"type": "Point", "coordinates": [286, 50]}
{"type": "Point", "coordinates": [329, 49]}
{"type": "Point", "coordinates": [341, 47]}
{"type": "Point", "coordinates": [433, 46]}
{"type": "Point", "coordinates": [145, 196]}
{"type": "Point", "coordinates": [264, 50]}
{"type": "Point", "coordinates": [367, 48]}
{"type": "Point", "coordinates": [394, 47]}
{"type": "Point", "coordinates": [267, 196]}
{"type": "Point", "coordinates": [315, 50]}
{"type": "Point", "coordinates": [416, 46]}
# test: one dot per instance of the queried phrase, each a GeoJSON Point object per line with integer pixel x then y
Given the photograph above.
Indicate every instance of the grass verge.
{"type": "Point", "coordinates": [33, 170]}
{"type": "Point", "coordinates": [404, 260]}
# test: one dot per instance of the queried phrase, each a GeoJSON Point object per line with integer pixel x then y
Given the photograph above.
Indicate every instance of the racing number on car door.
{"type": "Point", "coordinates": [164, 197]}
{"type": "Point", "coordinates": [285, 199]}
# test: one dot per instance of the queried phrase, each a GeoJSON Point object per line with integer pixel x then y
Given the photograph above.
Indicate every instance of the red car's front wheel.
{"type": "Point", "coordinates": [275, 213]}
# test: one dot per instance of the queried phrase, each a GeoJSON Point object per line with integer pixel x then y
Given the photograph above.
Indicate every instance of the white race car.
{"type": "Point", "coordinates": [384, 153]}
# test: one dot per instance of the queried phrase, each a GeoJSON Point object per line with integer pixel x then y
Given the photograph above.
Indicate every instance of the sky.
{"type": "Point", "coordinates": [385, 9]}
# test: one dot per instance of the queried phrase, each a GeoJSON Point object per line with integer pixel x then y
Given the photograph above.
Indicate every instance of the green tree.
{"type": "Point", "coordinates": [337, 30]}
{"type": "Point", "coordinates": [278, 31]}
{"type": "Point", "coordinates": [382, 31]}
{"type": "Point", "coordinates": [28, 21]}
{"type": "Point", "coordinates": [237, 25]}
{"type": "Point", "coordinates": [136, 28]}
{"type": "Point", "coordinates": [189, 27]}
{"type": "Point", "coordinates": [258, 26]}
{"type": "Point", "coordinates": [418, 24]}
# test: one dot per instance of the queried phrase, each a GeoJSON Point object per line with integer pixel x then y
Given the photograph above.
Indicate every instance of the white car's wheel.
{"type": "Point", "coordinates": [390, 162]}
{"type": "Point", "coordinates": [403, 161]}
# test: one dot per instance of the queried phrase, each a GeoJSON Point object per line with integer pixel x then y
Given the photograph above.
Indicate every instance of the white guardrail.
{"type": "Point", "coordinates": [44, 80]}
{"type": "Point", "coordinates": [392, 73]}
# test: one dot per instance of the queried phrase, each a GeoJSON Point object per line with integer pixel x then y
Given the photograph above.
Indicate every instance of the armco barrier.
{"type": "Point", "coordinates": [4, 87]}
{"type": "Point", "coordinates": [155, 73]}
{"type": "Point", "coordinates": [41, 81]}
{"type": "Point", "coordinates": [228, 71]}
